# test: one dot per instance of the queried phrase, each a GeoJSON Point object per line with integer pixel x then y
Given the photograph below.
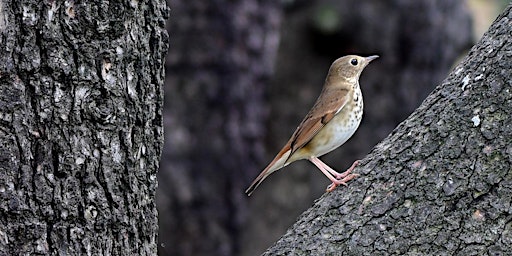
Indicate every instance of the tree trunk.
{"type": "Point", "coordinates": [440, 184]}
{"type": "Point", "coordinates": [80, 126]}
{"type": "Point", "coordinates": [218, 70]}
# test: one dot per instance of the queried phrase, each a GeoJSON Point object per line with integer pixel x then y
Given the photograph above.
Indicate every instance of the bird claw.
{"type": "Point", "coordinates": [342, 175]}
{"type": "Point", "coordinates": [343, 181]}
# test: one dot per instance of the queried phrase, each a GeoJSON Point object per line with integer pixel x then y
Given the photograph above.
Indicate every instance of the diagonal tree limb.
{"type": "Point", "coordinates": [440, 183]}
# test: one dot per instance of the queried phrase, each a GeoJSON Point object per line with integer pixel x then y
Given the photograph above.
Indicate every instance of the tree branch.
{"type": "Point", "coordinates": [440, 183]}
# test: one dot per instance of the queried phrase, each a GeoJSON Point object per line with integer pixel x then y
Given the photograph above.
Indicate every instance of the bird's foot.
{"type": "Point", "coordinates": [343, 182]}
{"type": "Point", "coordinates": [344, 174]}
{"type": "Point", "coordinates": [344, 177]}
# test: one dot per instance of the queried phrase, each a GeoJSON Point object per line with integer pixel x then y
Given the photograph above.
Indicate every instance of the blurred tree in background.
{"type": "Point", "coordinates": [229, 109]}
{"type": "Point", "coordinates": [221, 60]}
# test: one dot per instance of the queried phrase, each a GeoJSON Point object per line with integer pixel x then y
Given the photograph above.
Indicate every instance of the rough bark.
{"type": "Point", "coordinates": [418, 42]}
{"type": "Point", "coordinates": [219, 66]}
{"type": "Point", "coordinates": [440, 184]}
{"type": "Point", "coordinates": [80, 126]}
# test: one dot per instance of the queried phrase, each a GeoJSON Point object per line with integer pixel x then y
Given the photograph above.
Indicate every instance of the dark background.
{"type": "Point", "coordinates": [241, 75]}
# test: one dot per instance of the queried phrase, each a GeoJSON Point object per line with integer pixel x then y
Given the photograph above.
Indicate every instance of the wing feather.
{"type": "Point", "coordinates": [328, 104]}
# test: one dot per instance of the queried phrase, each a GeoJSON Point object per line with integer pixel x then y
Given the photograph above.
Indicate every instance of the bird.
{"type": "Point", "coordinates": [332, 120]}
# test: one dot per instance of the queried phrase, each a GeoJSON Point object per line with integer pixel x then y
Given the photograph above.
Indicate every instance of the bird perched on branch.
{"type": "Point", "coordinates": [333, 119]}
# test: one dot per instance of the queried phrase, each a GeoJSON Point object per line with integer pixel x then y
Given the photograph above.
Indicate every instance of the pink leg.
{"type": "Point", "coordinates": [340, 179]}
{"type": "Point", "coordinates": [323, 168]}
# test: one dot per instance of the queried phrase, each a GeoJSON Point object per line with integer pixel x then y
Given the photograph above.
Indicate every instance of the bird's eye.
{"type": "Point", "coordinates": [353, 62]}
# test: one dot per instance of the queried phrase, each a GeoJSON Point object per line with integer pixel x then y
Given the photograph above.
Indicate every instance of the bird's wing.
{"type": "Point", "coordinates": [321, 113]}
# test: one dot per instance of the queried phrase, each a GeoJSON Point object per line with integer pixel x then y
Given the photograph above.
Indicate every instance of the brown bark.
{"type": "Point", "coordinates": [440, 184]}
{"type": "Point", "coordinates": [80, 126]}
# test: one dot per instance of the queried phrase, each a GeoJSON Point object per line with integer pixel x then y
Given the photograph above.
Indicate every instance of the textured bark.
{"type": "Point", "coordinates": [80, 126]}
{"type": "Point", "coordinates": [440, 184]}
{"type": "Point", "coordinates": [418, 42]}
{"type": "Point", "coordinates": [218, 68]}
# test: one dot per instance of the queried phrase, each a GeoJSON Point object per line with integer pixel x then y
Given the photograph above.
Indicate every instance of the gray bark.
{"type": "Point", "coordinates": [440, 184]}
{"type": "Point", "coordinates": [80, 126]}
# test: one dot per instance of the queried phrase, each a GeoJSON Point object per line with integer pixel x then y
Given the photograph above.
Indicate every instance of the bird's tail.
{"type": "Point", "coordinates": [276, 164]}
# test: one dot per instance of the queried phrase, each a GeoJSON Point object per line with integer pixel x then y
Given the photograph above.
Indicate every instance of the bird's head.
{"type": "Point", "coordinates": [349, 67]}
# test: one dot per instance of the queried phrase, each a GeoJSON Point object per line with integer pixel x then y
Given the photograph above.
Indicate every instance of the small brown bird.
{"type": "Point", "coordinates": [331, 122]}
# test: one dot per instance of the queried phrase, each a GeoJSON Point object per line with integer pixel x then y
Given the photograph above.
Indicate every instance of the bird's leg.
{"type": "Point", "coordinates": [340, 179]}
{"type": "Point", "coordinates": [335, 173]}
{"type": "Point", "coordinates": [323, 168]}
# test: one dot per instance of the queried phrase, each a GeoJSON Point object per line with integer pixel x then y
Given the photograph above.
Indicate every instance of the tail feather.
{"type": "Point", "coordinates": [264, 174]}
{"type": "Point", "coordinates": [276, 164]}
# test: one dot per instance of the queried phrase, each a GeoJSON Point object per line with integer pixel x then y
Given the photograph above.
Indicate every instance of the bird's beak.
{"type": "Point", "coordinates": [370, 58]}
